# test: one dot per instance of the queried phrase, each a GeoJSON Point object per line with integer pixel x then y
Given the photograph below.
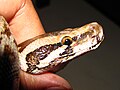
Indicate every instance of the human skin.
{"type": "Point", "coordinates": [24, 24]}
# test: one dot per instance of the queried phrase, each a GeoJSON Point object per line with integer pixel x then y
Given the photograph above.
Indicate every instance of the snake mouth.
{"type": "Point", "coordinates": [57, 64]}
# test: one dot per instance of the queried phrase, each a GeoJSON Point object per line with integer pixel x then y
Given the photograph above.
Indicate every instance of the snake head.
{"type": "Point", "coordinates": [52, 51]}
{"type": "Point", "coordinates": [86, 38]}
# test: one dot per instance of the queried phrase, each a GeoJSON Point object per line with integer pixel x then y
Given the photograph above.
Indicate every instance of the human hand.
{"type": "Point", "coordinates": [24, 24]}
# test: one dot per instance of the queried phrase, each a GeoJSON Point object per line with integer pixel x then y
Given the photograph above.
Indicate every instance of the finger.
{"type": "Point", "coordinates": [43, 82]}
{"type": "Point", "coordinates": [27, 22]}
{"type": "Point", "coordinates": [22, 17]}
{"type": "Point", "coordinates": [8, 8]}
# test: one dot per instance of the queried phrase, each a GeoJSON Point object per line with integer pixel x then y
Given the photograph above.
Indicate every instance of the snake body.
{"type": "Point", "coordinates": [9, 59]}
{"type": "Point", "coordinates": [47, 52]}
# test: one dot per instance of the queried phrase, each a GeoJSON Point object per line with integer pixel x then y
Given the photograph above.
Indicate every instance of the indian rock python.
{"type": "Point", "coordinates": [47, 52]}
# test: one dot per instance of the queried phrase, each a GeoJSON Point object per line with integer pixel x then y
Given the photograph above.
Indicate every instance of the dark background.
{"type": "Point", "coordinates": [96, 70]}
{"type": "Point", "coordinates": [110, 9]}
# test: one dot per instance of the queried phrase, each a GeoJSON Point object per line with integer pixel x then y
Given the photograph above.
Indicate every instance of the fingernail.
{"type": "Point", "coordinates": [57, 88]}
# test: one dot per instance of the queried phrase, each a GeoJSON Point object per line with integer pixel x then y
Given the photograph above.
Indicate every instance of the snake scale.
{"type": "Point", "coordinates": [44, 53]}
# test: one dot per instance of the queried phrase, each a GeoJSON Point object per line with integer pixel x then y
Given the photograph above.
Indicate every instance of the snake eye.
{"type": "Point", "coordinates": [67, 40]}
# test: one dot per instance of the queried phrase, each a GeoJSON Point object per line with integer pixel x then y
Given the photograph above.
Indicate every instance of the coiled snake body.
{"type": "Point", "coordinates": [48, 52]}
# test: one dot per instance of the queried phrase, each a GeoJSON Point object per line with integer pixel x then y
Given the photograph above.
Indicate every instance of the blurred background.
{"type": "Point", "coordinates": [96, 70]}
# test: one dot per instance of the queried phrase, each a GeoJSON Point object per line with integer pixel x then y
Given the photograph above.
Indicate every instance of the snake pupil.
{"type": "Point", "coordinates": [67, 42]}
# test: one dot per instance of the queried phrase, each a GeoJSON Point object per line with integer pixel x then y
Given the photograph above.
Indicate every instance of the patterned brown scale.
{"type": "Point", "coordinates": [41, 53]}
{"type": "Point", "coordinates": [9, 61]}
{"type": "Point", "coordinates": [67, 51]}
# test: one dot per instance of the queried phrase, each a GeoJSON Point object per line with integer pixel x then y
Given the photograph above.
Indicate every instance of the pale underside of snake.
{"type": "Point", "coordinates": [50, 51]}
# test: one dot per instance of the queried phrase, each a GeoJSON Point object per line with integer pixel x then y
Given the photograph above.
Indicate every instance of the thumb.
{"type": "Point", "coordinates": [47, 81]}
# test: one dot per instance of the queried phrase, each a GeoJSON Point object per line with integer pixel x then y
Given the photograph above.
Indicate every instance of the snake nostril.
{"type": "Point", "coordinates": [94, 26]}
